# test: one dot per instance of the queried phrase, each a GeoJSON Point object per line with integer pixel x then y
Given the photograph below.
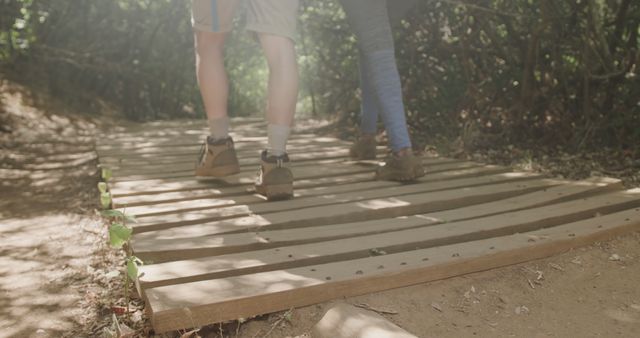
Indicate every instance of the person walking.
{"type": "Point", "coordinates": [274, 23]}
{"type": "Point", "coordinates": [381, 89]}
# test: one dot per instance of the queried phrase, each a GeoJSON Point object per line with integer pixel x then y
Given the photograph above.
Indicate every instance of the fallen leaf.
{"type": "Point", "coordinates": [119, 310]}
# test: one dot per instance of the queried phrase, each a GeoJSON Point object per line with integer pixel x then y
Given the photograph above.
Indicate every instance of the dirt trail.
{"type": "Point", "coordinates": [50, 237]}
{"type": "Point", "coordinates": [588, 292]}
{"type": "Point", "coordinates": [54, 263]}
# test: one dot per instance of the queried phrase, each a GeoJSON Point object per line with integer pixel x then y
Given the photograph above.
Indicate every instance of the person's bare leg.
{"type": "Point", "coordinates": [218, 157]}
{"type": "Point", "coordinates": [213, 81]}
{"type": "Point", "coordinates": [282, 91]}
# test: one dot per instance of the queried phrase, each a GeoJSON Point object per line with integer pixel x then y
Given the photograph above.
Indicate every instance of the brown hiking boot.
{"type": "Point", "coordinates": [364, 148]}
{"type": "Point", "coordinates": [275, 180]}
{"type": "Point", "coordinates": [217, 158]}
{"type": "Point", "coordinates": [403, 168]}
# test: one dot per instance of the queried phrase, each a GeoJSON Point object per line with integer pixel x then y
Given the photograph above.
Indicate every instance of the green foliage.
{"type": "Point", "coordinates": [119, 234]}
{"type": "Point", "coordinates": [119, 237]}
{"type": "Point", "coordinates": [555, 72]}
{"type": "Point", "coordinates": [102, 187]}
{"type": "Point", "coordinates": [118, 216]}
{"type": "Point", "coordinates": [132, 268]}
{"type": "Point", "coordinates": [105, 200]}
{"type": "Point", "coordinates": [106, 174]}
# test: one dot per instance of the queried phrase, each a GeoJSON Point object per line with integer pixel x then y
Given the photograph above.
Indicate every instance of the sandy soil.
{"type": "Point", "coordinates": [53, 255]}
{"type": "Point", "coordinates": [582, 293]}
{"type": "Point", "coordinates": [55, 267]}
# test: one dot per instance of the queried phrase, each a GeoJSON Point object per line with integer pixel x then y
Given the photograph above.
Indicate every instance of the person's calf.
{"type": "Point", "coordinates": [283, 78]}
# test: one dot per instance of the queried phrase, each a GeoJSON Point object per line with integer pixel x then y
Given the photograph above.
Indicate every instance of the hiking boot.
{"type": "Point", "coordinates": [403, 168]}
{"type": "Point", "coordinates": [364, 148]}
{"type": "Point", "coordinates": [217, 158]}
{"type": "Point", "coordinates": [275, 180]}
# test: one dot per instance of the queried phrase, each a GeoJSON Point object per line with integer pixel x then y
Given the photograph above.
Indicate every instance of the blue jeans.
{"type": "Point", "coordinates": [379, 77]}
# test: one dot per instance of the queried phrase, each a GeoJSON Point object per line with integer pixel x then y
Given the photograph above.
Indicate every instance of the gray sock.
{"type": "Point", "coordinates": [277, 137]}
{"type": "Point", "coordinates": [219, 128]}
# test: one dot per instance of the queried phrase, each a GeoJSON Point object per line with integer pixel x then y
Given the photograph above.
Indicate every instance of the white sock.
{"type": "Point", "coordinates": [219, 128]}
{"type": "Point", "coordinates": [277, 138]}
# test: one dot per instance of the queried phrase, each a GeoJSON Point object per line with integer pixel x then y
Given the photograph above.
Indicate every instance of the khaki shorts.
{"type": "Point", "coordinates": [278, 17]}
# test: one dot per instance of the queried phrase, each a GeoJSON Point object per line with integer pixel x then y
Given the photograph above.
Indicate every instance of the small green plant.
{"type": "Point", "coordinates": [106, 174]}
{"type": "Point", "coordinates": [120, 238]}
{"type": "Point", "coordinates": [105, 195]}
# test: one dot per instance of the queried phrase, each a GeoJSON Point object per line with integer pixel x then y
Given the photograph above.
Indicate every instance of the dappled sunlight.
{"type": "Point", "coordinates": [209, 228]}
{"type": "Point", "coordinates": [622, 316]}
{"type": "Point", "coordinates": [193, 294]}
{"type": "Point", "coordinates": [41, 262]}
{"type": "Point", "coordinates": [430, 218]}
{"type": "Point", "coordinates": [392, 202]}
{"type": "Point", "coordinates": [155, 273]}
{"type": "Point", "coordinates": [515, 175]}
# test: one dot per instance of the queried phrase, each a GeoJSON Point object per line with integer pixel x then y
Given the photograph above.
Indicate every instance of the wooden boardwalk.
{"type": "Point", "coordinates": [214, 251]}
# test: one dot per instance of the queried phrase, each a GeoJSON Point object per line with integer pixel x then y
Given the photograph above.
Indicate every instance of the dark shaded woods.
{"type": "Point", "coordinates": [519, 71]}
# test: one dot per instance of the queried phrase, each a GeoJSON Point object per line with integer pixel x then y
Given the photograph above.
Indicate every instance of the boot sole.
{"type": "Point", "coordinates": [276, 191]}
{"type": "Point", "coordinates": [219, 171]}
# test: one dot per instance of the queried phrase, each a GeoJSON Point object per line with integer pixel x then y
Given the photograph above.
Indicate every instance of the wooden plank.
{"type": "Point", "coordinates": [209, 203]}
{"type": "Point", "coordinates": [186, 168]}
{"type": "Point", "coordinates": [214, 214]}
{"type": "Point", "coordinates": [567, 191]}
{"type": "Point", "coordinates": [204, 302]}
{"type": "Point", "coordinates": [304, 171]}
{"type": "Point", "coordinates": [191, 152]}
{"type": "Point", "coordinates": [243, 178]}
{"type": "Point", "coordinates": [249, 166]}
{"type": "Point", "coordinates": [351, 211]}
{"type": "Point", "coordinates": [142, 199]}
{"type": "Point", "coordinates": [191, 143]}
{"type": "Point", "coordinates": [419, 233]}
{"type": "Point", "coordinates": [314, 185]}
{"type": "Point", "coordinates": [147, 145]}
{"type": "Point", "coordinates": [186, 162]}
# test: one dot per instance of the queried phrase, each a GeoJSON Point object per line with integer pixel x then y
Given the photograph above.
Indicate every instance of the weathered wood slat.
{"type": "Point", "coordinates": [151, 145]}
{"type": "Point", "coordinates": [360, 210]}
{"type": "Point", "coordinates": [186, 165]}
{"type": "Point", "coordinates": [243, 178]}
{"type": "Point", "coordinates": [203, 204]}
{"type": "Point", "coordinates": [193, 144]}
{"type": "Point", "coordinates": [143, 199]}
{"type": "Point", "coordinates": [355, 240]}
{"type": "Point", "coordinates": [245, 168]}
{"type": "Point", "coordinates": [383, 191]}
{"type": "Point", "coordinates": [315, 186]}
{"type": "Point", "coordinates": [199, 303]}
{"type": "Point", "coordinates": [303, 171]}
{"type": "Point", "coordinates": [190, 154]}
{"type": "Point", "coordinates": [222, 252]}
